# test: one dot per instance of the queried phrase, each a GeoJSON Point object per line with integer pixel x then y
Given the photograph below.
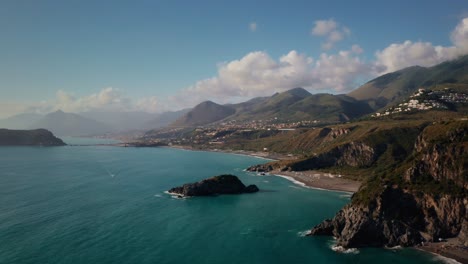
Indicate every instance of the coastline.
{"type": "Point", "coordinates": [320, 180]}
{"type": "Point", "coordinates": [255, 154]}
{"type": "Point", "coordinates": [311, 179]}
{"type": "Point", "coordinates": [447, 251]}
{"type": "Point", "coordinates": [450, 250]}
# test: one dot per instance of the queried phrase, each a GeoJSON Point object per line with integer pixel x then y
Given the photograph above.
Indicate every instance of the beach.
{"type": "Point", "coordinates": [320, 180]}
{"type": "Point", "coordinates": [449, 248]}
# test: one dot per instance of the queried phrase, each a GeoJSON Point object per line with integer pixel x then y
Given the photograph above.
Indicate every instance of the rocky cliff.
{"type": "Point", "coordinates": [423, 199]}
{"type": "Point", "coordinates": [223, 184]}
{"type": "Point", "coordinates": [36, 137]}
{"type": "Point", "coordinates": [398, 217]}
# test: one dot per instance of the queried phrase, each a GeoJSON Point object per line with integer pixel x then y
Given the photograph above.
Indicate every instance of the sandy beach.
{"type": "Point", "coordinates": [320, 180]}
{"type": "Point", "coordinates": [450, 248]}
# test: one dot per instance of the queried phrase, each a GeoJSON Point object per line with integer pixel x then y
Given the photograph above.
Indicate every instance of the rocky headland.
{"type": "Point", "coordinates": [36, 137]}
{"type": "Point", "coordinates": [415, 188]}
{"type": "Point", "coordinates": [222, 184]}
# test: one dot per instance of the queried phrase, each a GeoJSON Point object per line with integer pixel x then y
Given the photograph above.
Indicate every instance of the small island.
{"type": "Point", "coordinates": [35, 137]}
{"type": "Point", "coordinates": [222, 184]}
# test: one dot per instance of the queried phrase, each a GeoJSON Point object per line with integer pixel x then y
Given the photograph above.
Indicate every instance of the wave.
{"type": "Point", "coordinates": [293, 180]}
{"type": "Point", "coordinates": [343, 250]}
{"type": "Point", "coordinates": [446, 260]}
{"type": "Point", "coordinates": [304, 233]}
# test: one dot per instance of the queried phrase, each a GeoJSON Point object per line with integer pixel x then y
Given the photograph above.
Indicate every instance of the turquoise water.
{"type": "Point", "coordinates": [107, 205]}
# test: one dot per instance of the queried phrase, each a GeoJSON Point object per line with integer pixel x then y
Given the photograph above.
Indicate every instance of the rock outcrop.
{"type": "Point", "coordinates": [223, 184]}
{"type": "Point", "coordinates": [422, 199]}
{"type": "Point", "coordinates": [36, 137]}
{"type": "Point", "coordinates": [397, 218]}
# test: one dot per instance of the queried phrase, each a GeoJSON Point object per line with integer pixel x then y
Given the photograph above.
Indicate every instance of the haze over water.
{"type": "Point", "coordinates": [107, 205]}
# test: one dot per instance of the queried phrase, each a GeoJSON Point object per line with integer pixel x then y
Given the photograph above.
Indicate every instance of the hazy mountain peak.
{"type": "Point", "coordinates": [300, 92]}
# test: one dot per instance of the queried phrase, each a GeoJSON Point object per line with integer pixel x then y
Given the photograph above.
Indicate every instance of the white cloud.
{"type": "Point", "coordinates": [149, 104]}
{"type": "Point", "coordinates": [253, 26]}
{"type": "Point", "coordinates": [331, 30]}
{"type": "Point", "coordinates": [257, 74]}
{"type": "Point", "coordinates": [400, 55]}
{"type": "Point", "coordinates": [324, 27]}
{"type": "Point", "coordinates": [108, 99]}
{"type": "Point", "coordinates": [459, 36]}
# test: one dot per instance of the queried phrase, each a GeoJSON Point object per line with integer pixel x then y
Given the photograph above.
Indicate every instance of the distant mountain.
{"type": "Point", "coordinates": [298, 104]}
{"type": "Point", "coordinates": [37, 137]}
{"type": "Point", "coordinates": [69, 124]}
{"type": "Point", "coordinates": [394, 87]}
{"type": "Point", "coordinates": [203, 114]}
{"type": "Point", "coordinates": [164, 119]}
{"type": "Point", "coordinates": [122, 121]}
{"type": "Point", "coordinates": [293, 105]}
{"type": "Point", "coordinates": [20, 121]}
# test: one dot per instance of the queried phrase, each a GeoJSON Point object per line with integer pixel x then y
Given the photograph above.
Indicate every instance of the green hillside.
{"type": "Point", "coordinates": [393, 87]}
{"type": "Point", "coordinates": [204, 113]}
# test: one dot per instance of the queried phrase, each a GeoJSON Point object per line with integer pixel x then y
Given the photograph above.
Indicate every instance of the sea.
{"type": "Point", "coordinates": [104, 204]}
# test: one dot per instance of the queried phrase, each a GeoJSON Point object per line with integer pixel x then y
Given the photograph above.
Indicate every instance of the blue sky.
{"type": "Point", "coordinates": [162, 55]}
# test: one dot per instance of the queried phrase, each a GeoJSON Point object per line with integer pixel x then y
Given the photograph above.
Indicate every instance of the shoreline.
{"type": "Point", "coordinates": [450, 250]}
{"type": "Point", "coordinates": [320, 180]}
{"type": "Point", "coordinates": [255, 154]}
{"type": "Point", "coordinates": [309, 179]}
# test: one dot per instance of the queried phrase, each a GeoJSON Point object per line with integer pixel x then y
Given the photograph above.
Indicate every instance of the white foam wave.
{"type": "Point", "coordinates": [343, 250]}
{"type": "Point", "coordinates": [176, 195]}
{"type": "Point", "coordinates": [303, 233]}
{"type": "Point", "coordinates": [157, 195]}
{"type": "Point", "coordinates": [394, 248]}
{"type": "Point", "coordinates": [292, 180]}
{"type": "Point", "coordinates": [446, 260]}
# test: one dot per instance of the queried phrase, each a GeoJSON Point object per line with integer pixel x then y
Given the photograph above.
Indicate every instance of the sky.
{"type": "Point", "coordinates": [156, 56]}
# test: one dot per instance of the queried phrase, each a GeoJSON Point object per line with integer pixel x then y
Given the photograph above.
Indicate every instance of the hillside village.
{"type": "Point", "coordinates": [425, 100]}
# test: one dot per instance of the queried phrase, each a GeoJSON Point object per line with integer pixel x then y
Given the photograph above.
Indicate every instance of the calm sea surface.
{"type": "Point", "coordinates": [107, 205]}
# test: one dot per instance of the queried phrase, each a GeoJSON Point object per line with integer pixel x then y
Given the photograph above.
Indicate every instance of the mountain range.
{"type": "Point", "coordinates": [91, 123]}
{"type": "Point", "coordinates": [298, 104]}
{"type": "Point", "coordinates": [290, 106]}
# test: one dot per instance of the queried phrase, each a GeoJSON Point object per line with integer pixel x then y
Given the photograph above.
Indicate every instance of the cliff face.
{"type": "Point", "coordinates": [398, 217]}
{"type": "Point", "coordinates": [424, 202]}
{"type": "Point", "coordinates": [36, 137]}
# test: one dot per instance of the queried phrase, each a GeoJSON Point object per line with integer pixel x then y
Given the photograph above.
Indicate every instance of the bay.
{"type": "Point", "coordinates": [100, 204]}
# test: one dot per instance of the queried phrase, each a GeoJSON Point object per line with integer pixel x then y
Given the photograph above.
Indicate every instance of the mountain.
{"type": "Point", "coordinates": [203, 114]}
{"type": "Point", "coordinates": [69, 124]}
{"type": "Point", "coordinates": [290, 106]}
{"type": "Point", "coordinates": [37, 137]}
{"type": "Point", "coordinates": [164, 119]}
{"type": "Point", "coordinates": [393, 87]}
{"type": "Point", "coordinates": [20, 121]}
{"type": "Point", "coordinates": [122, 121]}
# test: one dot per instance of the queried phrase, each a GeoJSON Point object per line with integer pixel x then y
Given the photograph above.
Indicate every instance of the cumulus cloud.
{"type": "Point", "coordinates": [459, 36]}
{"type": "Point", "coordinates": [253, 26]}
{"type": "Point", "coordinates": [400, 55]}
{"type": "Point", "coordinates": [331, 30]}
{"type": "Point", "coordinates": [108, 99]}
{"type": "Point", "coordinates": [149, 104]}
{"type": "Point", "coordinates": [258, 74]}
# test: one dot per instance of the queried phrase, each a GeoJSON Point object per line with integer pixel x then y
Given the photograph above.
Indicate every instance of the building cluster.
{"type": "Point", "coordinates": [271, 123]}
{"type": "Point", "coordinates": [425, 100]}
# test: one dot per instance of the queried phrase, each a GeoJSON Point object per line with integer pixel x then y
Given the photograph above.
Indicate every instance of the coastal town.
{"type": "Point", "coordinates": [425, 100]}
